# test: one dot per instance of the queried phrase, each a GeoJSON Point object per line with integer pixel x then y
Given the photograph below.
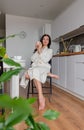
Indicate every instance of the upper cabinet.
{"type": "Point", "coordinates": [77, 32]}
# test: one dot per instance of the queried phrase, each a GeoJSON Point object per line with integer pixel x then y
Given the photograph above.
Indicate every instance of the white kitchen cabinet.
{"type": "Point", "coordinates": [79, 75]}
{"type": "Point", "coordinates": [63, 71]}
{"type": "Point", "coordinates": [70, 72]}
{"type": "Point", "coordinates": [79, 86]}
{"type": "Point", "coordinates": [75, 74]}
{"type": "Point", "coordinates": [55, 68]}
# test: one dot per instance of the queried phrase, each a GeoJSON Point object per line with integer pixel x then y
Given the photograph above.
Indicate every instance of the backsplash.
{"type": "Point", "coordinates": [77, 40]}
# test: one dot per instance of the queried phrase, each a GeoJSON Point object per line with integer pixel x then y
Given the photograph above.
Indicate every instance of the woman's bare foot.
{"type": "Point", "coordinates": [53, 76]}
{"type": "Point", "coordinates": [41, 103]}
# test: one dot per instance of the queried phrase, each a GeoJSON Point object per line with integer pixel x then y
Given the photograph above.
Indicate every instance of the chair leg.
{"type": "Point", "coordinates": [2, 92]}
{"type": "Point", "coordinates": [32, 87]}
{"type": "Point", "coordinates": [3, 110]}
{"type": "Point", "coordinates": [50, 85]}
{"type": "Point", "coordinates": [28, 90]}
{"type": "Point", "coordinates": [50, 89]}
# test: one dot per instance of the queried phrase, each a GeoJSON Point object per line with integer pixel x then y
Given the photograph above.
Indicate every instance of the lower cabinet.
{"type": "Point", "coordinates": [79, 75]}
{"type": "Point", "coordinates": [55, 68]}
{"type": "Point", "coordinates": [71, 72]}
{"type": "Point", "coordinates": [79, 86]}
{"type": "Point", "coordinates": [63, 71]}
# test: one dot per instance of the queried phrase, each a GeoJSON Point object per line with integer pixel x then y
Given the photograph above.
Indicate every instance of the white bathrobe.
{"type": "Point", "coordinates": [40, 66]}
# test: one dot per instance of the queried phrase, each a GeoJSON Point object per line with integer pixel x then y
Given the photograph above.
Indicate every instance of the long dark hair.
{"type": "Point", "coordinates": [41, 40]}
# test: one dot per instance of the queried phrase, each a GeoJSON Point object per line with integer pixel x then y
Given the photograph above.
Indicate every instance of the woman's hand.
{"type": "Point", "coordinates": [38, 46]}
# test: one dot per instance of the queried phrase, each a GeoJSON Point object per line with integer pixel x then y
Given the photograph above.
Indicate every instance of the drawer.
{"type": "Point", "coordinates": [79, 86]}
{"type": "Point", "coordinates": [79, 70]}
{"type": "Point", "coordinates": [79, 58]}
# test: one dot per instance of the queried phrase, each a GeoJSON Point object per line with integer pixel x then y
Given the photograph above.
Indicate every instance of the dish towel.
{"type": "Point", "coordinates": [24, 81]}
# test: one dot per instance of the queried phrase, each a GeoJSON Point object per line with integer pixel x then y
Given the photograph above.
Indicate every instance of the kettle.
{"type": "Point", "coordinates": [77, 48]}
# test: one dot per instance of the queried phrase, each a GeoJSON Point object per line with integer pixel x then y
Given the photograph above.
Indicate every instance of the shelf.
{"type": "Point", "coordinates": [74, 33]}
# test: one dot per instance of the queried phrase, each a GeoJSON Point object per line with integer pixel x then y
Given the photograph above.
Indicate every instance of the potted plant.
{"type": "Point", "coordinates": [18, 109]}
{"type": "Point", "coordinates": [66, 45]}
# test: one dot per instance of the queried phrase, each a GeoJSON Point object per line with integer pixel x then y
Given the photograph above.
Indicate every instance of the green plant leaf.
{"type": "Point", "coordinates": [5, 101]}
{"type": "Point", "coordinates": [42, 126]}
{"type": "Point", "coordinates": [10, 36]}
{"type": "Point", "coordinates": [31, 100]}
{"type": "Point", "coordinates": [29, 129]}
{"type": "Point", "coordinates": [2, 40]}
{"type": "Point", "coordinates": [2, 119]}
{"type": "Point", "coordinates": [9, 128]}
{"type": "Point", "coordinates": [22, 105]}
{"type": "Point", "coordinates": [1, 125]}
{"type": "Point", "coordinates": [2, 51]}
{"type": "Point", "coordinates": [21, 109]}
{"type": "Point", "coordinates": [7, 75]}
{"type": "Point", "coordinates": [31, 123]}
{"type": "Point", "coordinates": [11, 62]}
{"type": "Point", "coordinates": [15, 118]}
{"type": "Point", "coordinates": [51, 114]}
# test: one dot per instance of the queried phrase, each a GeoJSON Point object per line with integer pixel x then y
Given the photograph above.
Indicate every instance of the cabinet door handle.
{"type": "Point", "coordinates": [80, 78]}
{"type": "Point", "coordinates": [80, 62]}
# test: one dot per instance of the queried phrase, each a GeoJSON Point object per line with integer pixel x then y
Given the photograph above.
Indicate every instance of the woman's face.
{"type": "Point", "coordinates": [45, 41]}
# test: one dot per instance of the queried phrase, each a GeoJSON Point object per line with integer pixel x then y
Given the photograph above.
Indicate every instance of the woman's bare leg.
{"type": "Point", "coordinates": [53, 75]}
{"type": "Point", "coordinates": [27, 76]}
{"type": "Point", "coordinates": [40, 94]}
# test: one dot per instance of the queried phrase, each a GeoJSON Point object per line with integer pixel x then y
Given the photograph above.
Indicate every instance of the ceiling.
{"type": "Point", "coordinates": [44, 9]}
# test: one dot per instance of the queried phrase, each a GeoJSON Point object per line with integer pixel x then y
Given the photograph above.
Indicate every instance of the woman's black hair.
{"type": "Point", "coordinates": [41, 39]}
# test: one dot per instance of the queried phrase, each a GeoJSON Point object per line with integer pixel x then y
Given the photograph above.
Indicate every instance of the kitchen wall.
{"type": "Point", "coordinates": [17, 45]}
{"type": "Point", "coordinates": [69, 20]}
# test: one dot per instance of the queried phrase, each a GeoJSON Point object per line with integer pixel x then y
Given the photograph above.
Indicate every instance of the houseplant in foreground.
{"type": "Point", "coordinates": [18, 109]}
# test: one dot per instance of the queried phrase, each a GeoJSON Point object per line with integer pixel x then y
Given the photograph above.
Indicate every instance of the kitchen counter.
{"type": "Point", "coordinates": [14, 82]}
{"type": "Point", "coordinates": [68, 54]}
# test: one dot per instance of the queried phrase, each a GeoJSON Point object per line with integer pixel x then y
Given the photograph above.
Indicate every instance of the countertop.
{"type": "Point", "coordinates": [68, 54]}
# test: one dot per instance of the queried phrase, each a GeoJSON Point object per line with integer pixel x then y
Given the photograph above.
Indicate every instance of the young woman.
{"type": "Point", "coordinates": [40, 67]}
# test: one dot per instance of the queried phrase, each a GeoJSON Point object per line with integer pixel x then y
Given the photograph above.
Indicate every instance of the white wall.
{"type": "Point", "coordinates": [18, 46]}
{"type": "Point", "coordinates": [70, 19]}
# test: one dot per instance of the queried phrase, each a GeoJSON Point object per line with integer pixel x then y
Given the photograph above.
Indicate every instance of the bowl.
{"type": "Point", "coordinates": [18, 57]}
